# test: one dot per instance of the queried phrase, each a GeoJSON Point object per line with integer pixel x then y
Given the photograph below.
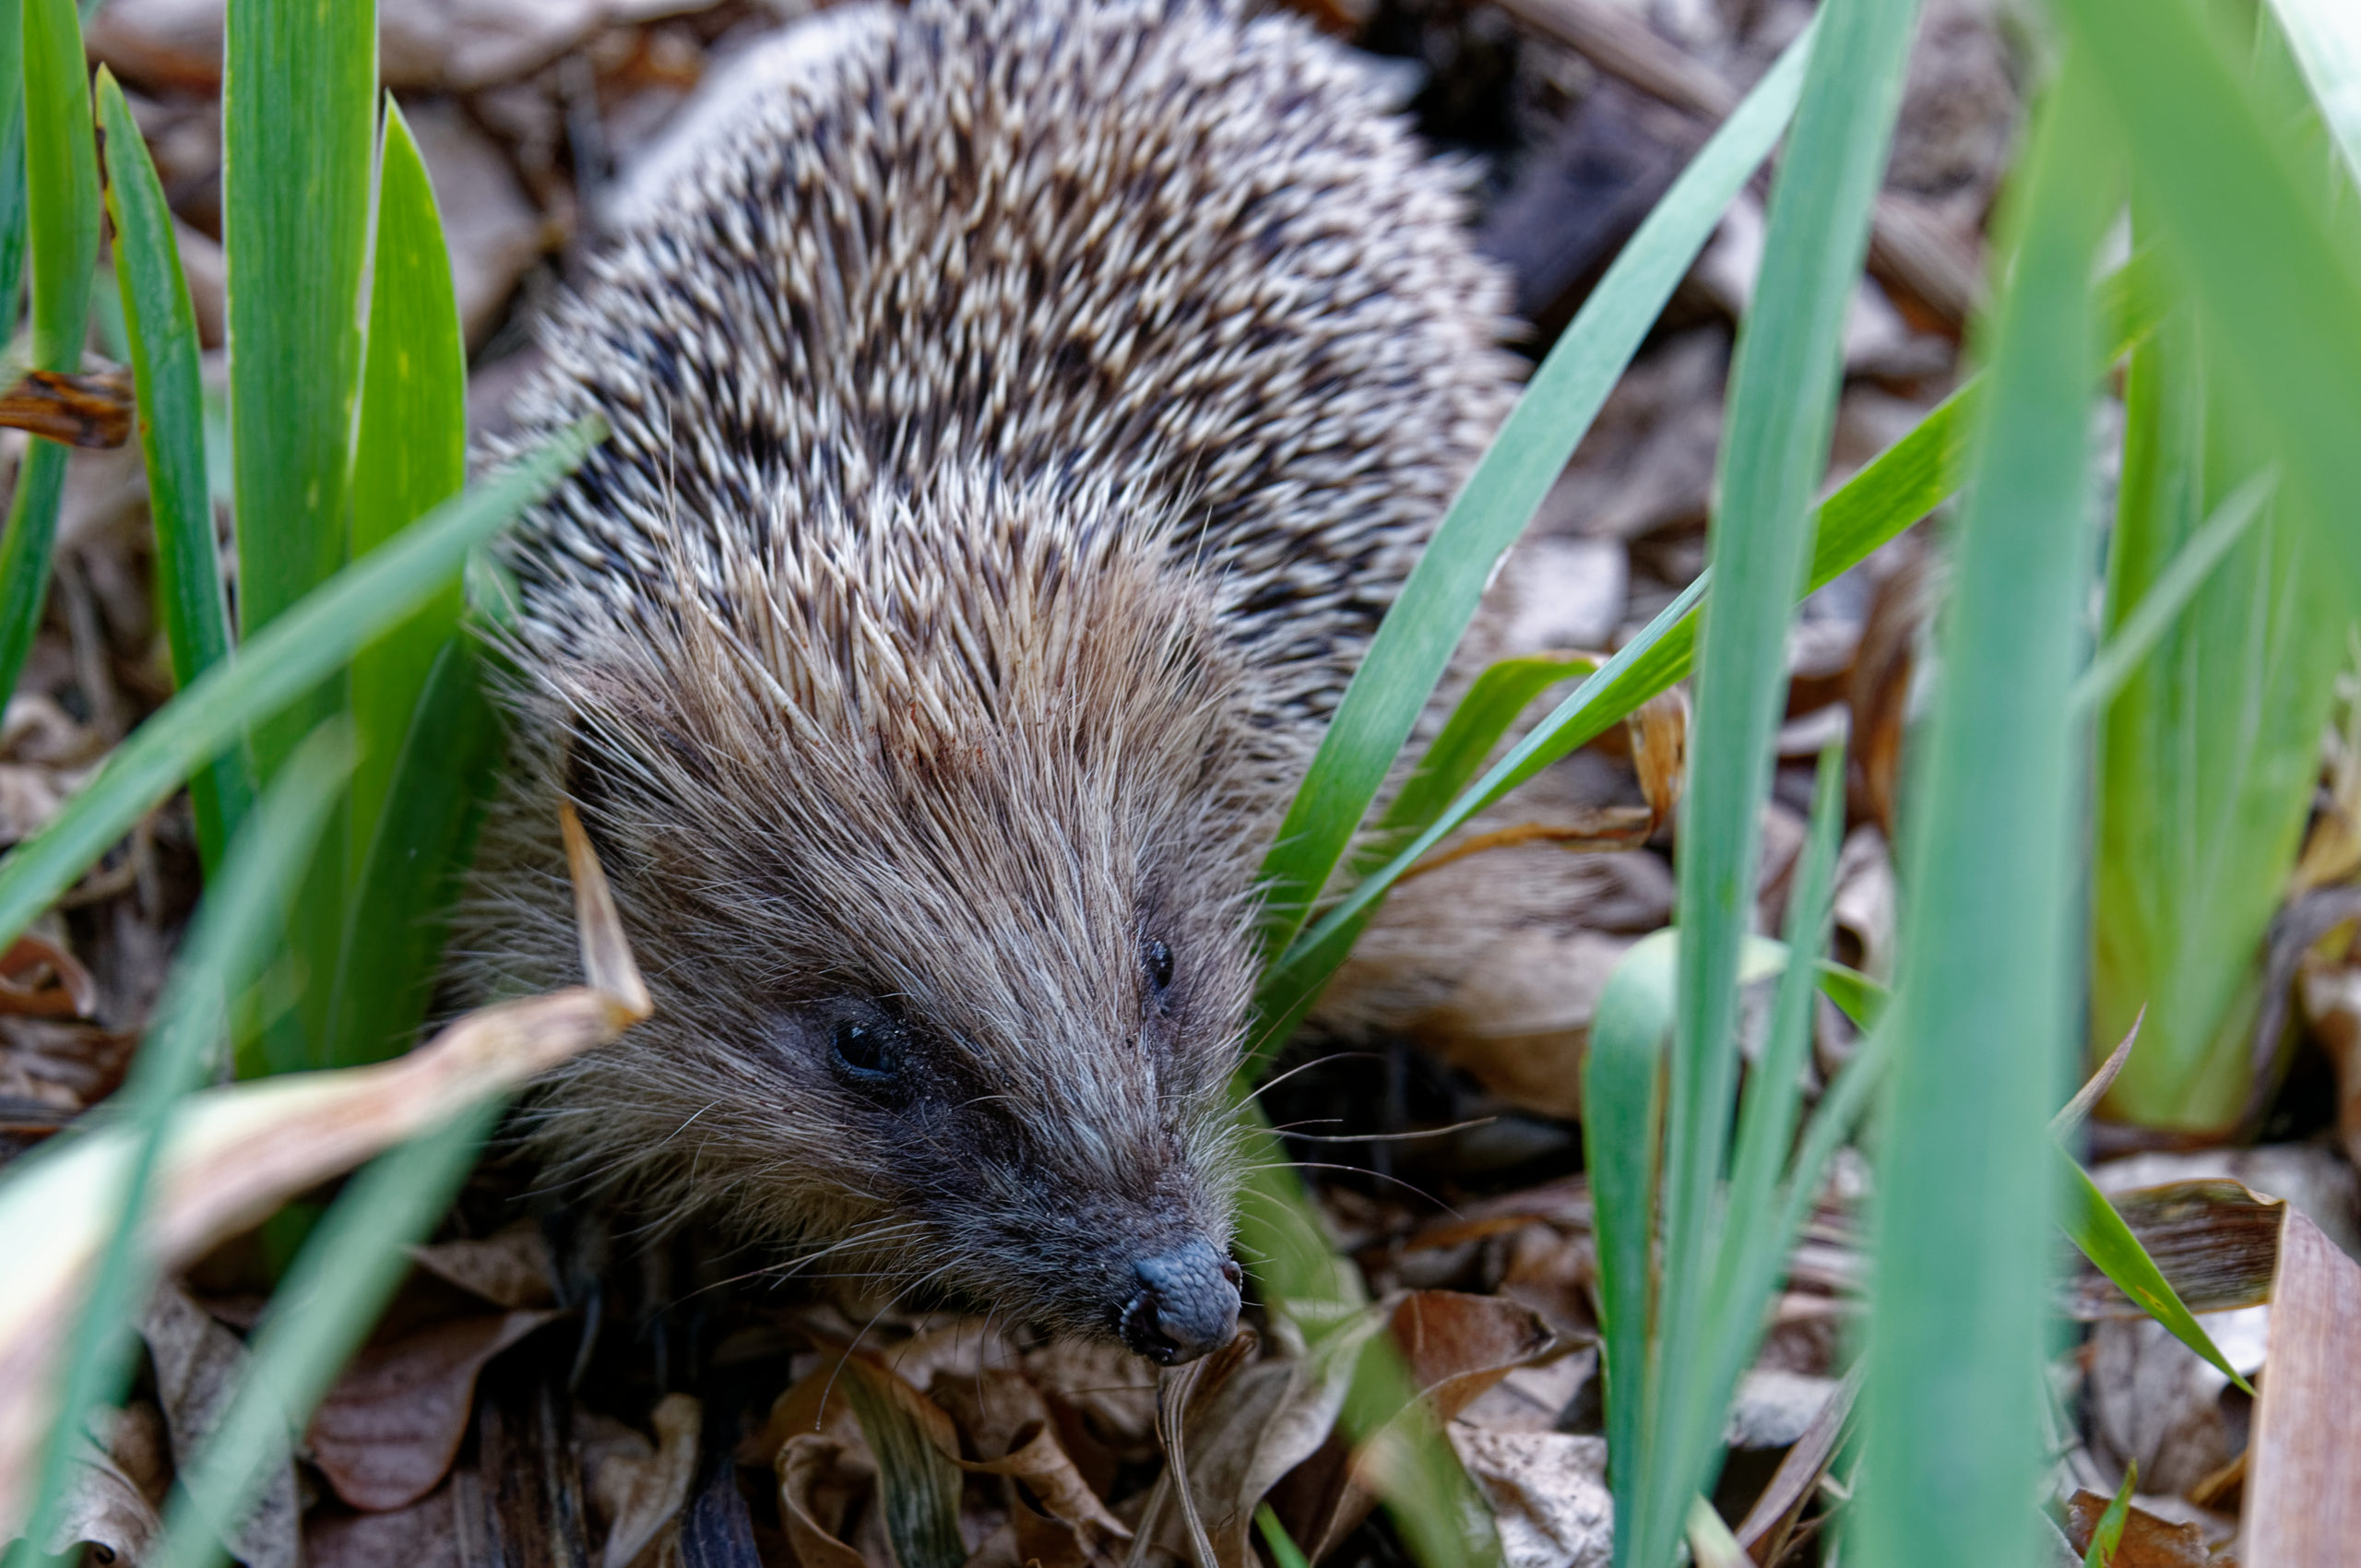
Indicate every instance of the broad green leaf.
{"type": "Point", "coordinates": [1981, 1025]}
{"type": "Point", "coordinates": [281, 664]}
{"type": "Point", "coordinates": [2209, 751]}
{"type": "Point", "coordinates": [298, 101]}
{"type": "Point", "coordinates": [2227, 179]}
{"type": "Point", "coordinates": [61, 225]}
{"type": "Point", "coordinates": [411, 453]}
{"type": "Point", "coordinates": [2130, 643]}
{"type": "Point", "coordinates": [399, 913]}
{"type": "Point", "coordinates": [1414, 645]}
{"type": "Point", "coordinates": [233, 936]}
{"type": "Point", "coordinates": [162, 328]}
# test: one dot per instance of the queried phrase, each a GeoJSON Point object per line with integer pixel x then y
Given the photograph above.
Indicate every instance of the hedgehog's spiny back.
{"type": "Point", "coordinates": [1136, 242]}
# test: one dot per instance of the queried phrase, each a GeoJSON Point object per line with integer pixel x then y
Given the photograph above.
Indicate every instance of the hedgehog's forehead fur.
{"type": "Point", "coordinates": [1019, 425]}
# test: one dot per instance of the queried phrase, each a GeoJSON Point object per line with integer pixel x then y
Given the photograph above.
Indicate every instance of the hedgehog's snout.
{"type": "Point", "coordinates": [1186, 1305]}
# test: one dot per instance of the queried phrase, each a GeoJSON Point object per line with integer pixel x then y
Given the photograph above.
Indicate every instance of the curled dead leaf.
{"type": "Point", "coordinates": [641, 1497]}
{"type": "Point", "coordinates": [77, 410]}
{"type": "Point", "coordinates": [40, 979]}
{"type": "Point", "coordinates": [387, 1432]}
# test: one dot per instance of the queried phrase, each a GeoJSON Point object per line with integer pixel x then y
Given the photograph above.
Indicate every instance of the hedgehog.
{"type": "Point", "coordinates": [1022, 414]}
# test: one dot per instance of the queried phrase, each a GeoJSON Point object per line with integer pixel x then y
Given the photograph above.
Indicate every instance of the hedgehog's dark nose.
{"type": "Point", "coordinates": [1187, 1304]}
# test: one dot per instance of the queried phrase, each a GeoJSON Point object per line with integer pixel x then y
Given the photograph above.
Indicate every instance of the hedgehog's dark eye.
{"type": "Point", "coordinates": [865, 1051]}
{"type": "Point", "coordinates": [1158, 958]}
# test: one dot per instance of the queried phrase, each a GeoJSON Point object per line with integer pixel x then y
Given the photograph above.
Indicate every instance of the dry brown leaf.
{"type": "Point", "coordinates": [641, 1497]}
{"type": "Point", "coordinates": [1659, 732]}
{"type": "Point", "coordinates": [40, 979]}
{"type": "Point", "coordinates": [106, 1511]}
{"type": "Point", "coordinates": [198, 1364]}
{"type": "Point", "coordinates": [1766, 1530]}
{"type": "Point", "coordinates": [815, 1489]}
{"type": "Point", "coordinates": [425, 1535]}
{"type": "Point", "coordinates": [2148, 1541]}
{"type": "Point", "coordinates": [1456, 1345]}
{"type": "Point", "coordinates": [237, 1153]}
{"type": "Point", "coordinates": [387, 1432]}
{"type": "Point", "coordinates": [512, 1268]}
{"type": "Point", "coordinates": [2215, 1242]}
{"type": "Point", "coordinates": [76, 410]}
{"type": "Point", "coordinates": [2303, 1490]}
{"type": "Point", "coordinates": [1549, 1494]}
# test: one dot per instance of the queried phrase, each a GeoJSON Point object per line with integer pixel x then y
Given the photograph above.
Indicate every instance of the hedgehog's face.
{"type": "Point", "coordinates": [1060, 1157]}
{"type": "Point", "coordinates": [951, 962]}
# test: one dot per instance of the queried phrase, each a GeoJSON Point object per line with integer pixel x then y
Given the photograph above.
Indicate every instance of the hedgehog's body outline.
{"type": "Point", "coordinates": [1019, 427]}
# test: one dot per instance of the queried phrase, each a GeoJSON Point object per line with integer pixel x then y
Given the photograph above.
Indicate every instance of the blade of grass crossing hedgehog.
{"type": "Point", "coordinates": [162, 328]}
{"type": "Point", "coordinates": [1982, 1022]}
{"type": "Point", "coordinates": [61, 228]}
{"type": "Point", "coordinates": [409, 456]}
{"type": "Point", "coordinates": [1415, 643]}
{"type": "Point", "coordinates": [284, 661]}
{"type": "Point", "coordinates": [1903, 483]}
{"type": "Point", "coordinates": [398, 913]}
{"type": "Point", "coordinates": [233, 935]}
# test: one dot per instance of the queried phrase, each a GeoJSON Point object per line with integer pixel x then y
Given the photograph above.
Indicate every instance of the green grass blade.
{"type": "Point", "coordinates": [2094, 1228]}
{"type": "Point", "coordinates": [12, 161]}
{"type": "Point", "coordinates": [1951, 1408]}
{"type": "Point", "coordinates": [162, 328]}
{"type": "Point", "coordinates": [298, 100]}
{"type": "Point", "coordinates": [2221, 172]}
{"type": "Point", "coordinates": [1285, 1553]}
{"type": "Point", "coordinates": [1293, 982]}
{"type": "Point", "coordinates": [1751, 1253]}
{"type": "Point", "coordinates": [62, 224]}
{"type": "Point", "coordinates": [284, 661]}
{"type": "Point", "coordinates": [1907, 481]}
{"type": "Point", "coordinates": [323, 1310]}
{"type": "Point", "coordinates": [2209, 753]}
{"type": "Point", "coordinates": [411, 453]}
{"type": "Point", "coordinates": [235, 933]}
{"type": "Point", "coordinates": [298, 133]}
{"type": "Point", "coordinates": [1783, 383]}
{"type": "Point", "coordinates": [1414, 645]}
{"type": "Point", "coordinates": [1623, 1133]}
{"type": "Point", "coordinates": [2162, 605]}
{"type": "Point", "coordinates": [1494, 699]}
{"type": "Point", "coordinates": [918, 1488]}
{"type": "Point", "coordinates": [399, 914]}
{"type": "Point", "coordinates": [2108, 1535]}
